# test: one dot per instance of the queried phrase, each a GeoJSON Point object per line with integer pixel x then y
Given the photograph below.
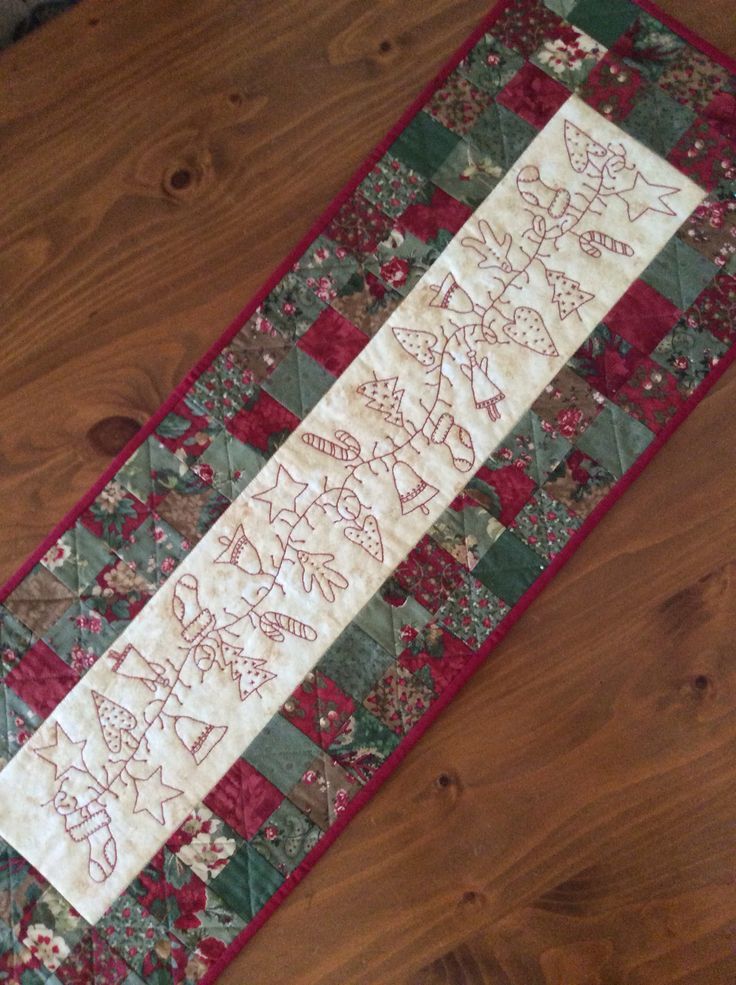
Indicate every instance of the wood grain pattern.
{"type": "Point", "coordinates": [571, 819]}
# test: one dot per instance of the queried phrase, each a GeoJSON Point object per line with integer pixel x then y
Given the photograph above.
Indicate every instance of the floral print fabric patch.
{"type": "Point", "coordinates": [507, 390]}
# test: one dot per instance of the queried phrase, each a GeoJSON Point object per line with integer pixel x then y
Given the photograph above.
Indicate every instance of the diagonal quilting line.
{"type": "Point", "coordinates": [619, 446]}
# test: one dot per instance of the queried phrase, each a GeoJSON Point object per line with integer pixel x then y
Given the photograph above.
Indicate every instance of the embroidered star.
{"type": "Point", "coordinates": [151, 793]}
{"type": "Point", "coordinates": [644, 196]}
{"type": "Point", "coordinates": [63, 754]}
{"type": "Point", "coordinates": [282, 496]}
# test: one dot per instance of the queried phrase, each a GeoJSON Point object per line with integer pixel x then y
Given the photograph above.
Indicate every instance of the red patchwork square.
{"type": "Point", "coordinates": [262, 422]}
{"type": "Point", "coordinates": [42, 679]}
{"type": "Point", "coordinates": [319, 708]}
{"type": "Point", "coordinates": [426, 220]}
{"type": "Point", "coordinates": [429, 573]}
{"type": "Point", "coordinates": [444, 654]}
{"type": "Point", "coordinates": [244, 798]}
{"type": "Point", "coordinates": [642, 316]}
{"type": "Point", "coordinates": [612, 87]}
{"type": "Point", "coordinates": [510, 489]}
{"type": "Point", "coordinates": [714, 309]}
{"type": "Point", "coordinates": [332, 341]}
{"type": "Point", "coordinates": [533, 95]}
{"type": "Point", "coordinates": [359, 225]}
{"type": "Point", "coordinates": [650, 394]}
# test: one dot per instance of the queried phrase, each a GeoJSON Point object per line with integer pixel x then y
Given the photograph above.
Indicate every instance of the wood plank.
{"type": "Point", "coordinates": [570, 818]}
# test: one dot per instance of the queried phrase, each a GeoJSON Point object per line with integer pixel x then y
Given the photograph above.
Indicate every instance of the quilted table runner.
{"type": "Point", "coordinates": [217, 657]}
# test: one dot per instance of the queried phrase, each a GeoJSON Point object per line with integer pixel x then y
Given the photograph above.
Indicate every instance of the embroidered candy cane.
{"type": "Point", "coordinates": [275, 624]}
{"type": "Point", "coordinates": [592, 239]}
{"type": "Point", "coordinates": [342, 452]}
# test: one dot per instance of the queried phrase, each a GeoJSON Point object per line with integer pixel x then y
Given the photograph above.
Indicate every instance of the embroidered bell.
{"type": "Point", "coordinates": [240, 552]}
{"type": "Point", "coordinates": [132, 664]}
{"type": "Point", "coordinates": [451, 296]}
{"type": "Point", "coordinates": [199, 738]}
{"type": "Point", "coordinates": [485, 392]}
{"type": "Point", "coordinates": [414, 493]}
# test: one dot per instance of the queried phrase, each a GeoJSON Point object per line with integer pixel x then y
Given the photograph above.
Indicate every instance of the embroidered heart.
{"type": "Point", "coordinates": [528, 329]}
{"type": "Point", "coordinates": [368, 537]}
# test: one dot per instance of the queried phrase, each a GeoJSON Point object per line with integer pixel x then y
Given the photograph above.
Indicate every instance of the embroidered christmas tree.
{"type": "Point", "coordinates": [116, 723]}
{"type": "Point", "coordinates": [582, 149]}
{"type": "Point", "coordinates": [249, 673]}
{"type": "Point", "coordinates": [419, 344]}
{"type": "Point", "coordinates": [384, 397]}
{"type": "Point", "coordinates": [528, 329]}
{"type": "Point", "coordinates": [566, 292]}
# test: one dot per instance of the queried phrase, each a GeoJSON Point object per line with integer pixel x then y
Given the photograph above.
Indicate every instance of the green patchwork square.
{"type": "Point", "coordinates": [509, 568]}
{"type": "Point", "coordinates": [391, 625]}
{"type": "Point", "coordinates": [689, 354]}
{"type": "Point", "coordinates": [615, 440]}
{"type": "Point", "coordinates": [151, 471]}
{"type": "Point", "coordinates": [81, 635]}
{"type": "Point", "coordinates": [467, 533]}
{"type": "Point", "coordinates": [156, 550]}
{"type": "Point", "coordinates": [604, 20]}
{"type": "Point", "coordinates": [281, 753]}
{"type": "Point", "coordinates": [539, 449]}
{"type": "Point", "coordinates": [298, 382]}
{"type": "Point", "coordinates": [229, 465]}
{"type": "Point", "coordinates": [355, 661]}
{"type": "Point", "coordinates": [20, 722]}
{"type": "Point", "coordinates": [657, 120]}
{"type": "Point", "coordinates": [562, 7]}
{"type": "Point", "coordinates": [545, 524]}
{"type": "Point", "coordinates": [393, 186]}
{"type": "Point", "coordinates": [490, 65]}
{"type": "Point", "coordinates": [15, 639]}
{"type": "Point", "coordinates": [472, 612]}
{"type": "Point", "coordinates": [424, 145]}
{"type": "Point", "coordinates": [285, 838]}
{"type": "Point", "coordinates": [247, 882]}
{"type": "Point", "coordinates": [679, 273]}
{"type": "Point", "coordinates": [477, 164]}
{"type": "Point", "coordinates": [326, 267]}
{"type": "Point", "coordinates": [223, 387]}
{"type": "Point", "coordinates": [363, 744]}
{"type": "Point", "coordinates": [77, 557]}
{"type": "Point", "coordinates": [292, 306]}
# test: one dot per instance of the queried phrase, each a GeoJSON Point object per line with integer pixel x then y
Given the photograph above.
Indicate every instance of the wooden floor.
{"type": "Point", "coordinates": [571, 819]}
